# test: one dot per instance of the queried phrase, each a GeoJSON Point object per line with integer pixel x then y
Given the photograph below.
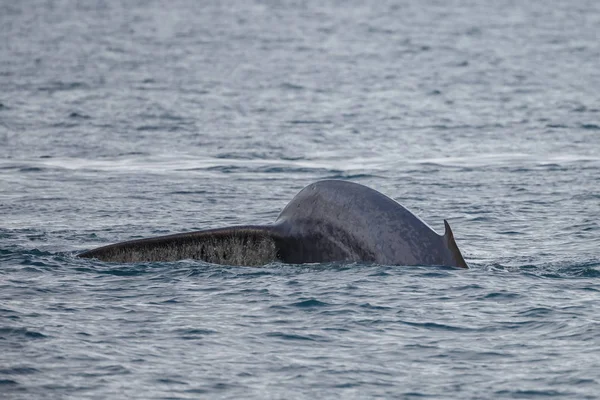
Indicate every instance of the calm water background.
{"type": "Point", "coordinates": [123, 120]}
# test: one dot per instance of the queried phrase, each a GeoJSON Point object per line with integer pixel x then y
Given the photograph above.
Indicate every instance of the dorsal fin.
{"type": "Point", "coordinates": [453, 247]}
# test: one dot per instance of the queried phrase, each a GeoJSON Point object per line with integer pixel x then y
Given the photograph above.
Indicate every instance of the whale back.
{"type": "Point", "coordinates": [326, 221]}
{"type": "Point", "coordinates": [338, 220]}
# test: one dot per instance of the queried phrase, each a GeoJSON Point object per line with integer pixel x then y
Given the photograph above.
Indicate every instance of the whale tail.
{"type": "Point", "coordinates": [457, 257]}
{"type": "Point", "coordinates": [238, 245]}
{"type": "Point", "coordinates": [250, 245]}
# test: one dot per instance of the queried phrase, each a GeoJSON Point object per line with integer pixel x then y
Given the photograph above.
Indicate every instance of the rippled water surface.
{"type": "Point", "coordinates": [122, 120]}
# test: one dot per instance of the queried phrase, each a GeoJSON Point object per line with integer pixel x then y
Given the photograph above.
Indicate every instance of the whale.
{"type": "Point", "coordinates": [327, 221]}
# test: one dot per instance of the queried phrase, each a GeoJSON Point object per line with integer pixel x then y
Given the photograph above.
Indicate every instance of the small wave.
{"type": "Point", "coordinates": [8, 332]}
{"type": "Point", "coordinates": [375, 307]}
{"type": "Point", "coordinates": [126, 270]}
{"type": "Point", "coordinates": [592, 127]}
{"type": "Point", "coordinates": [63, 86]}
{"type": "Point", "coordinates": [529, 394]}
{"type": "Point", "coordinates": [19, 371]}
{"type": "Point", "coordinates": [584, 269]}
{"type": "Point", "coordinates": [107, 370]}
{"type": "Point", "coordinates": [195, 332]}
{"type": "Point", "coordinates": [536, 312]}
{"type": "Point", "coordinates": [309, 122]}
{"type": "Point", "coordinates": [31, 169]}
{"type": "Point", "coordinates": [501, 296]}
{"type": "Point", "coordinates": [351, 176]}
{"type": "Point", "coordinates": [169, 381]}
{"type": "Point", "coordinates": [151, 128]}
{"type": "Point", "coordinates": [436, 326]}
{"type": "Point", "coordinates": [310, 303]}
{"type": "Point", "coordinates": [291, 86]}
{"type": "Point", "coordinates": [291, 336]}
{"type": "Point", "coordinates": [76, 115]}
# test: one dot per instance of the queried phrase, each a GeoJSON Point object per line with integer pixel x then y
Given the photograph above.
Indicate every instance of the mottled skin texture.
{"type": "Point", "coordinates": [327, 221]}
{"type": "Point", "coordinates": [243, 245]}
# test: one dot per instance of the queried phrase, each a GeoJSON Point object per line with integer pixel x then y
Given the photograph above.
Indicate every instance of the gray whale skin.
{"type": "Point", "coordinates": [327, 221]}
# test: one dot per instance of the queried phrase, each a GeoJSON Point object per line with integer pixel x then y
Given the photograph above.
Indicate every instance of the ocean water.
{"type": "Point", "coordinates": [123, 120]}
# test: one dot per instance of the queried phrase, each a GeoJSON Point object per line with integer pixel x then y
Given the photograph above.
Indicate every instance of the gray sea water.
{"type": "Point", "coordinates": [122, 120]}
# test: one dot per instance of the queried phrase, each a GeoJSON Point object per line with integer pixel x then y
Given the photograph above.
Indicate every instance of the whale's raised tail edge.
{"type": "Point", "coordinates": [453, 247]}
{"type": "Point", "coordinates": [236, 245]}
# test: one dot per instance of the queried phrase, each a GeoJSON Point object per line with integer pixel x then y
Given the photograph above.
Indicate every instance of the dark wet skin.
{"type": "Point", "coordinates": [327, 221]}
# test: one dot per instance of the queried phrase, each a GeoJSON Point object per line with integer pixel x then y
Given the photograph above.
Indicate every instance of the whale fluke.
{"type": "Point", "coordinates": [326, 221]}
{"type": "Point", "coordinates": [237, 245]}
